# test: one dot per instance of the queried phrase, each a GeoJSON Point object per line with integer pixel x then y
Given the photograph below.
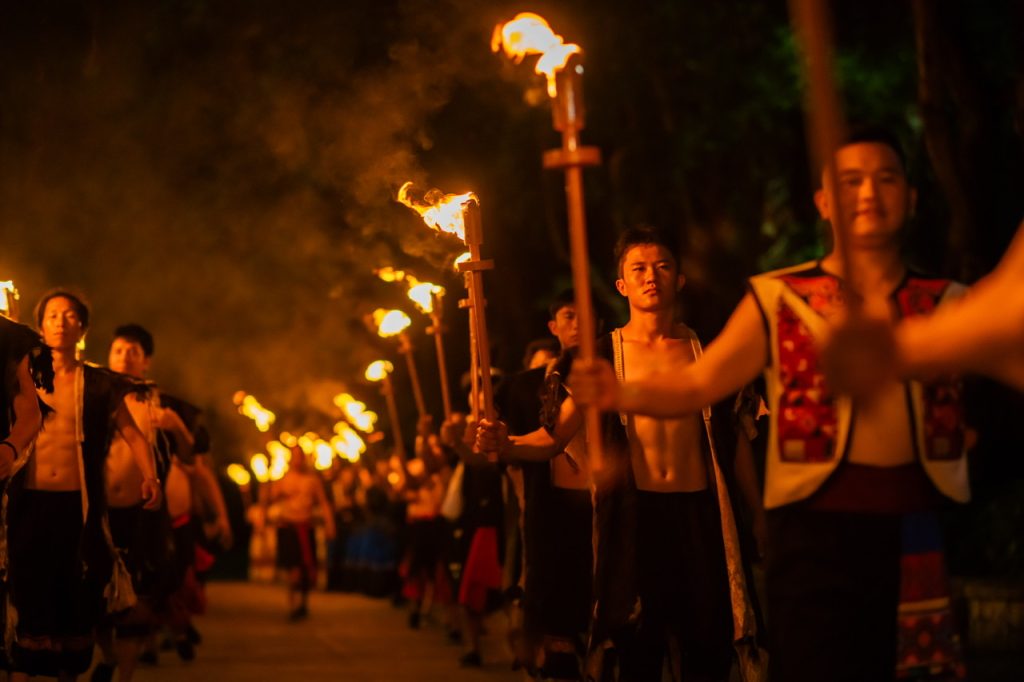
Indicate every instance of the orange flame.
{"type": "Point", "coordinates": [239, 474]}
{"type": "Point", "coordinates": [464, 258]}
{"type": "Point", "coordinates": [422, 294]}
{"type": "Point", "coordinates": [528, 34]}
{"type": "Point", "coordinates": [347, 442]}
{"type": "Point", "coordinates": [251, 408]}
{"type": "Point", "coordinates": [8, 294]}
{"type": "Point", "coordinates": [378, 369]}
{"type": "Point", "coordinates": [390, 274]}
{"type": "Point", "coordinates": [390, 322]}
{"type": "Point", "coordinates": [260, 467]}
{"type": "Point", "coordinates": [355, 411]}
{"type": "Point", "coordinates": [440, 211]}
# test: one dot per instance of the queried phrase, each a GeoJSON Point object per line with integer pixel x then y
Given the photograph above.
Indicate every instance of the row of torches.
{"type": "Point", "coordinates": [457, 215]}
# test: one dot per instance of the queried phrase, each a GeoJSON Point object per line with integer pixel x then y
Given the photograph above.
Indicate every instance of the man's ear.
{"type": "Point", "coordinates": [821, 201]}
{"type": "Point", "coordinates": [620, 286]}
{"type": "Point", "coordinates": [680, 281]}
{"type": "Point", "coordinates": [551, 327]}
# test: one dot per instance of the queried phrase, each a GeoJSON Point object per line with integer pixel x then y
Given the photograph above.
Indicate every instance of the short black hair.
{"type": "Point", "coordinates": [878, 134]}
{"type": "Point", "coordinates": [549, 344]}
{"type": "Point", "coordinates": [639, 236]}
{"type": "Point", "coordinates": [566, 297]}
{"type": "Point", "coordinates": [77, 302]}
{"type": "Point", "coordinates": [138, 334]}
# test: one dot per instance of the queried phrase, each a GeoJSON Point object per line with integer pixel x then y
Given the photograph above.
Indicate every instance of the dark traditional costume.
{"type": "Point", "coordinates": [63, 572]}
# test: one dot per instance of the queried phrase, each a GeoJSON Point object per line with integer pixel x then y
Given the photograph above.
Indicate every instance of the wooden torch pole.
{"type": "Point", "coordinates": [442, 366]}
{"type": "Point", "coordinates": [387, 388]}
{"type": "Point", "coordinates": [475, 267]}
{"type": "Point", "coordinates": [568, 115]}
{"type": "Point", "coordinates": [414, 376]}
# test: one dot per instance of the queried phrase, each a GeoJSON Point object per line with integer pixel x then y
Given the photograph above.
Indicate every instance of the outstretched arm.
{"type": "Point", "coordinates": [731, 361]}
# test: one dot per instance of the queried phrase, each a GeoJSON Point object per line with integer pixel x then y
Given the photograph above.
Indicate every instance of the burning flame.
{"type": "Point", "coordinates": [378, 370]}
{"type": "Point", "coordinates": [390, 274]}
{"type": "Point", "coordinates": [464, 258]}
{"type": "Point", "coordinates": [239, 474]}
{"type": "Point", "coordinates": [422, 294]}
{"type": "Point", "coordinates": [288, 439]}
{"type": "Point", "coordinates": [347, 442]}
{"type": "Point", "coordinates": [278, 468]}
{"type": "Point", "coordinates": [251, 408]}
{"type": "Point", "coordinates": [440, 211]}
{"type": "Point", "coordinates": [8, 294]}
{"type": "Point", "coordinates": [390, 322]}
{"type": "Point", "coordinates": [307, 442]}
{"type": "Point", "coordinates": [355, 411]}
{"type": "Point", "coordinates": [260, 467]}
{"type": "Point", "coordinates": [277, 449]}
{"type": "Point", "coordinates": [324, 455]}
{"type": "Point", "coordinates": [528, 34]}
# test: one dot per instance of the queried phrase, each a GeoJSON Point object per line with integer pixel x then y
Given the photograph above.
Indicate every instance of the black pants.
{"type": "Point", "coordinates": [683, 587]}
{"type": "Point", "coordinates": [833, 583]}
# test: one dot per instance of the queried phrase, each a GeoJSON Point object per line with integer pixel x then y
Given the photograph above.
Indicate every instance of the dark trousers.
{"type": "Point", "coordinates": [833, 583]}
{"type": "Point", "coordinates": [683, 586]}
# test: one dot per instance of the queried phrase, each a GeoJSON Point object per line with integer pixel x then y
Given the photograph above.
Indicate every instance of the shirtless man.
{"type": "Point", "coordinates": [132, 529]}
{"type": "Point", "coordinates": [297, 493]}
{"type": "Point", "coordinates": [841, 474]}
{"type": "Point", "coordinates": [659, 508]}
{"type": "Point", "coordinates": [62, 575]}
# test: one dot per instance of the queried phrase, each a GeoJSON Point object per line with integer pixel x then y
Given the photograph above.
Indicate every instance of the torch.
{"type": "Point", "coordinates": [249, 407]}
{"type": "Point", "coordinates": [380, 370]}
{"type": "Point", "coordinates": [428, 298]}
{"type": "Point", "coordinates": [529, 34]}
{"type": "Point", "coordinates": [394, 323]}
{"type": "Point", "coordinates": [459, 214]}
{"type": "Point", "coordinates": [9, 300]}
{"type": "Point", "coordinates": [824, 112]}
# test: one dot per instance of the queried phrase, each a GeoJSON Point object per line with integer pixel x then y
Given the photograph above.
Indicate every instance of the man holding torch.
{"type": "Point", "coordinates": [666, 537]}
{"type": "Point", "coordinates": [64, 572]}
{"type": "Point", "coordinates": [842, 473]}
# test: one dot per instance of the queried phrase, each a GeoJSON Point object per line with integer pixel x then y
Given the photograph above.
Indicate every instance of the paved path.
{"type": "Point", "coordinates": [350, 638]}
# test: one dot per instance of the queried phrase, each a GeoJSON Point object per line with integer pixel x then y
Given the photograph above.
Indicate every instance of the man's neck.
{"type": "Point", "coordinates": [65, 360]}
{"type": "Point", "coordinates": [876, 272]}
{"type": "Point", "coordinates": [647, 326]}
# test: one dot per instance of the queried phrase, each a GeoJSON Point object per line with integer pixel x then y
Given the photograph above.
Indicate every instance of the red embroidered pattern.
{"type": "Point", "coordinates": [943, 398]}
{"type": "Point", "coordinates": [807, 420]}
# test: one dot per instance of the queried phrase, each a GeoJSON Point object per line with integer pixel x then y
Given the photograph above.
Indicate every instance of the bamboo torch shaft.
{"type": "Point", "coordinates": [824, 113]}
{"type": "Point", "coordinates": [581, 285]}
{"type": "Point", "coordinates": [442, 365]}
{"type": "Point", "coordinates": [474, 361]}
{"type": "Point", "coordinates": [387, 388]}
{"type": "Point", "coordinates": [414, 375]}
{"type": "Point", "coordinates": [474, 239]}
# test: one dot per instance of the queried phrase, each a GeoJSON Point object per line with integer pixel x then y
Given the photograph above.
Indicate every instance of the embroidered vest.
{"type": "Point", "coordinates": [810, 425]}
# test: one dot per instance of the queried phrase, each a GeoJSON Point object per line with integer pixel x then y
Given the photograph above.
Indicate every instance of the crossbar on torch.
{"type": "Point", "coordinates": [475, 267]}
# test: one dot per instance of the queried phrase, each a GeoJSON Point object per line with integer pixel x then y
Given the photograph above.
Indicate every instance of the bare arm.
{"type": "Point", "coordinates": [730, 362]}
{"type": "Point", "coordinates": [209, 488]}
{"type": "Point", "coordinates": [141, 453]}
{"type": "Point", "coordinates": [28, 418]}
{"type": "Point", "coordinates": [184, 441]}
{"type": "Point", "coordinates": [983, 332]}
{"type": "Point", "coordinates": [541, 445]}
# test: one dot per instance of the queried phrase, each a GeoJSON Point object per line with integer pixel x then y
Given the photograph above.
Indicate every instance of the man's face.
{"type": "Point", "coordinates": [565, 327]}
{"type": "Point", "coordinates": [874, 197]}
{"type": "Point", "coordinates": [127, 357]}
{"type": "Point", "coordinates": [650, 278]}
{"type": "Point", "coordinates": [62, 327]}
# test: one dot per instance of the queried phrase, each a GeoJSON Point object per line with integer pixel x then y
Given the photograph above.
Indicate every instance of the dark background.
{"type": "Point", "coordinates": [223, 172]}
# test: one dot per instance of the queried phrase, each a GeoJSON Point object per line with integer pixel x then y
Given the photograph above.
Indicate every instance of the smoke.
{"type": "Point", "coordinates": [224, 174]}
